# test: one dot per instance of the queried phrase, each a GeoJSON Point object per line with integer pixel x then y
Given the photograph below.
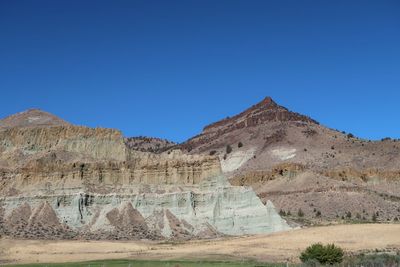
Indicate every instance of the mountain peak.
{"type": "Point", "coordinates": [264, 111]}
{"type": "Point", "coordinates": [267, 102]}
{"type": "Point", "coordinates": [31, 118]}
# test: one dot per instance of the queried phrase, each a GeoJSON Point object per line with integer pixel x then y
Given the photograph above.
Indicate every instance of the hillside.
{"type": "Point", "coordinates": [297, 163]}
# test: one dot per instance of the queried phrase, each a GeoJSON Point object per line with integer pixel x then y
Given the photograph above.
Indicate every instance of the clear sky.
{"type": "Point", "coordinates": [167, 68]}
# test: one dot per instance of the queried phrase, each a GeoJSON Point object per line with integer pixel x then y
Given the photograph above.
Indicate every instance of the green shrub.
{"type": "Point", "coordinates": [348, 215]}
{"type": "Point", "coordinates": [300, 213]}
{"type": "Point", "coordinates": [240, 144]}
{"type": "Point", "coordinates": [329, 254]}
{"type": "Point", "coordinates": [282, 212]}
{"type": "Point", "coordinates": [228, 149]}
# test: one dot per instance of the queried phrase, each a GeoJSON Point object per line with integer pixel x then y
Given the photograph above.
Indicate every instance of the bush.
{"type": "Point", "coordinates": [300, 213]}
{"type": "Point", "coordinates": [329, 254]}
{"type": "Point", "coordinates": [228, 149]}
{"type": "Point", "coordinates": [282, 212]}
{"type": "Point", "coordinates": [240, 144]}
{"type": "Point", "coordinates": [212, 152]}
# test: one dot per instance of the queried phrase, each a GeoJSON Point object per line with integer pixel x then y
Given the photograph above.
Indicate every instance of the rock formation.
{"type": "Point", "coordinates": [64, 181]}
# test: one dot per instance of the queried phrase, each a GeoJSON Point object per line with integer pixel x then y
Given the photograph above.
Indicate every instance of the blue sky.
{"type": "Point", "coordinates": [168, 68]}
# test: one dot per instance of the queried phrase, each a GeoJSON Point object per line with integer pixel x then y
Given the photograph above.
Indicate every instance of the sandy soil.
{"type": "Point", "coordinates": [274, 247]}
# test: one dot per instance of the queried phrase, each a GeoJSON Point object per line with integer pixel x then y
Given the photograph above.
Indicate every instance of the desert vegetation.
{"type": "Point", "coordinates": [322, 254]}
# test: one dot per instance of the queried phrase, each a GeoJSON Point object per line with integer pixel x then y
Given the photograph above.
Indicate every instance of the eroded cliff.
{"type": "Point", "coordinates": [64, 181]}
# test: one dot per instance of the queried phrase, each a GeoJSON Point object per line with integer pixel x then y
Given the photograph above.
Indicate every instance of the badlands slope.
{"type": "Point", "coordinates": [60, 181]}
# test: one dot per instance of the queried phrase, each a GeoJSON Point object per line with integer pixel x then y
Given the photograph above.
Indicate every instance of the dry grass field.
{"type": "Point", "coordinates": [278, 247]}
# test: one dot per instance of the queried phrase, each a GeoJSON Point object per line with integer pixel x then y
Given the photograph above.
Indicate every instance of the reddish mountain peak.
{"type": "Point", "coordinates": [265, 111]}
{"type": "Point", "coordinates": [267, 102]}
{"type": "Point", "coordinates": [267, 105]}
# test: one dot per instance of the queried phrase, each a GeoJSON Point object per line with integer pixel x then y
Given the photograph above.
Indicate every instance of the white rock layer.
{"type": "Point", "coordinates": [231, 210]}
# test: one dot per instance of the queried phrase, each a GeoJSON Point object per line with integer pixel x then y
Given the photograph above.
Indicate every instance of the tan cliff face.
{"type": "Point", "coordinates": [38, 147]}
{"type": "Point", "coordinates": [84, 142]}
{"type": "Point", "coordinates": [60, 157]}
{"type": "Point", "coordinates": [50, 175]}
{"type": "Point", "coordinates": [63, 181]}
{"type": "Point", "coordinates": [172, 167]}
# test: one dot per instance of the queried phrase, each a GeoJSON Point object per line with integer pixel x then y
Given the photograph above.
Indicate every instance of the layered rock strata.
{"type": "Point", "coordinates": [212, 208]}
{"type": "Point", "coordinates": [64, 181]}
